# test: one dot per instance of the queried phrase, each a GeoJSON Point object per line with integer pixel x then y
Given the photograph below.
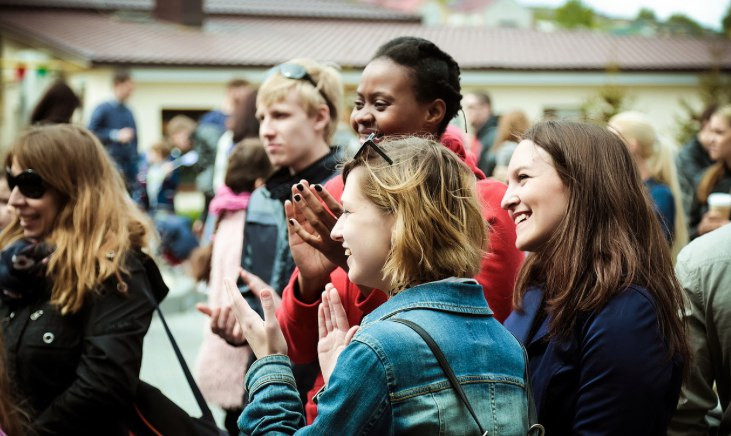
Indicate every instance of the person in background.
{"type": "Point", "coordinates": [509, 130]}
{"type": "Point", "coordinates": [236, 91]}
{"type": "Point", "coordinates": [717, 178]}
{"type": "Point", "coordinates": [6, 212]}
{"type": "Point", "coordinates": [693, 159]}
{"type": "Point", "coordinates": [218, 366]}
{"type": "Point", "coordinates": [57, 105]}
{"type": "Point", "coordinates": [207, 135]}
{"type": "Point", "coordinates": [113, 123]}
{"type": "Point", "coordinates": [478, 111]}
{"type": "Point", "coordinates": [158, 179]}
{"type": "Point", "coordinates": [402, 199]}
{"type": "Point", "coordinates": [704, 271]}
{"type": "Point", "coordinates": [597, 302]}
{"type": "Point", "coordinates": [655, 162]}
{"type": "Point", "coordinates": [76, 287]}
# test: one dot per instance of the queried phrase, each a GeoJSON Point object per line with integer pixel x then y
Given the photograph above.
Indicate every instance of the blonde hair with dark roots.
{"type": "Point", "coordinates": [97, 223]}
{"type": "Point", "coordinates": [276, 87]}
{"type": "Point", "coordinates": [439, 231]}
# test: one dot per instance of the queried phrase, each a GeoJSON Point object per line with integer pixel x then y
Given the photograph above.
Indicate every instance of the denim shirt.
{"type": "Point", "coordinates": [387, 381]}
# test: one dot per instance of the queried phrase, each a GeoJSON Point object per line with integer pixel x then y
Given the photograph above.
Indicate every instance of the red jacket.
{"type": "Point", "coordinates": [497, 276]}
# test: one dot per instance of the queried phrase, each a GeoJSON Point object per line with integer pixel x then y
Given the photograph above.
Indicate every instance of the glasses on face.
{"type": "Point", "coordinates": [28, 182]}
{"type": "Point", "coordinates": [299, 72]}
{"type": "Point", "coordinates": [370, 142]}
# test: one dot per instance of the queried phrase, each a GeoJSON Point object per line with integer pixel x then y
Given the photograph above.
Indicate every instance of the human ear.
{"type": "Point", "coordinates": [321, 117]}
{"type": "Point", "coordinates": [435, 114]}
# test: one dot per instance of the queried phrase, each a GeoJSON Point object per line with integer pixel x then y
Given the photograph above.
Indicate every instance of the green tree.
{"type": "Point", "coordinates": [574, 14]}
{"type": "Point", "coordinates": [726, 23]}
{"type": "Point", "coordinates": [647, 15]}
{"type": "Point", "coordinates": [680, 24]}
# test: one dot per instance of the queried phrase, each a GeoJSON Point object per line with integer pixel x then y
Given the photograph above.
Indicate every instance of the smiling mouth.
{"type": "Point", "coordinates": [521, 218]}
{"type": "Point", "coordinates": [347, 252]}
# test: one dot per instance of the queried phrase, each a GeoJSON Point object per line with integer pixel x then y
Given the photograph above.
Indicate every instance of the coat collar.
{"type": "Point", "coordinates": [520, 321]}
{"type": "Point", "coordinates": [450, 295]}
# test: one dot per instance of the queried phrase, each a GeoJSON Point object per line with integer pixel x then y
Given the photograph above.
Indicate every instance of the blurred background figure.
{"type": "Point", "coordinates": [57, 105]}
{"type": "Point", "coordinates": [236, 91]}
{"type": "Point", "coordinates": [509, 130]}
{"type": "Point", "coordinates": [219, 367]}
{"type": "Point", "coordinates": [716, 179]}
{"type": "Point", "coordinates": [693, 159]}
{"type": "Point", "coordinates": [704, 271]}
{"type": "Point", "coordinates": [6, 212]}
{"type": "Point", "coordinates": [113, 123]}
{"type": "Point", "coordinates": [656, 166]}
{"type": "Point", "coordinates": [477, 108]}
{"type": "Point", "coordinates": [158, 179]}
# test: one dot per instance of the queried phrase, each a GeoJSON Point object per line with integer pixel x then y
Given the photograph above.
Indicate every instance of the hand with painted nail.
{"type": "Point", "coordinates": [263, 335]}
{"type": "Point", "coordinates": [335, 331]}
{"type": "Point", "coordinates": [318, 211]}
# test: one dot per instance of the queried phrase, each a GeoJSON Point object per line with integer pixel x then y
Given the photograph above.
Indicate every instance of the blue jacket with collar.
{"type": "Point", "coordinates": [387, 381]}
{"type": "Point", "coordinates": [612, 375]}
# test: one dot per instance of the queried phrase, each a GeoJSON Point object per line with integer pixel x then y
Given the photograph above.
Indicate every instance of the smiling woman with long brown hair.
{"type": "Point", "coordinates": [75, 285]}
{"type": "Point", "coordinates": [598, 301]}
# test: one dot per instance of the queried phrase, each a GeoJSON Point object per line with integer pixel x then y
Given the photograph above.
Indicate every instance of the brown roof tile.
{"type": "Point", "coordinates": [251, 41]}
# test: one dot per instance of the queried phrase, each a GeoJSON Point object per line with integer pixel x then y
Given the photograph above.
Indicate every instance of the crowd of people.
{"type": "Point", "coordinates": [529, 277]}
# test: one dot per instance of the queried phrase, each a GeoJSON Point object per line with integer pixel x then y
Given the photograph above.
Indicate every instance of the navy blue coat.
{"type": "Point", "coordinates": [610, 376]}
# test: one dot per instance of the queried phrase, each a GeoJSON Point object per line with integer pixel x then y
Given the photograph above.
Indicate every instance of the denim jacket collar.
{"type": "Point", "coordinates": [450, 295]}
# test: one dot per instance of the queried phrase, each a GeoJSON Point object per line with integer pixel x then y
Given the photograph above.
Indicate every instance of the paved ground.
{"type": "Point", "coordinates": [159, 364]}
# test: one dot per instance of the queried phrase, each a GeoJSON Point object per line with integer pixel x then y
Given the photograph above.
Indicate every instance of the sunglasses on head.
{"type": "Point", "coordinates": [370, 142]}
{"type": "Point", "coordinates": [299, 72]}
{"type": "Point", "coordinates": [28, 182]}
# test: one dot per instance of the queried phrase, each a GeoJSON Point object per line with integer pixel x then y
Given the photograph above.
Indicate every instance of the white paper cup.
{"type": "Point", "coordinates": [721, 203]}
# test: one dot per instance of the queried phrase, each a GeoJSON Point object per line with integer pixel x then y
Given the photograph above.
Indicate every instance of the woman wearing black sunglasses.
{"type": "Point", "coordinates": [75, 287]}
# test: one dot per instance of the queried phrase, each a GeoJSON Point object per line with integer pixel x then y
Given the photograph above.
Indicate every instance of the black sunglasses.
{"type": "Point", "coordinates": [299, 72]}
{"type": "Point", "coordinates": [28, 182]}
{"type": "Point", "coordinates": [372, 144]}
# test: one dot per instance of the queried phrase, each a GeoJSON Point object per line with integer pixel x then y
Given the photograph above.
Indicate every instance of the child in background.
{"type": "Point", "coordinates": [158, 179]}
{"type": "Point", "coordinates": [219, 365]}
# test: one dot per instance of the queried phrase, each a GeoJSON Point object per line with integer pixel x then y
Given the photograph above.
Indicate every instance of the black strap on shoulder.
{"type": "Point", "coordinates": [444, 364]}
{"type": "Point", "coordinates": [206, 412]}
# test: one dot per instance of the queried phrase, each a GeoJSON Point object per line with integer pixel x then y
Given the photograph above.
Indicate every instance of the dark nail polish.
{"type": "Point", "coordinates": [300, 187]}
{"type": "Point", "coordinates": [297, 197]}
{"type": "Point", "coordinates": [291, 222]}
{"type": "Point", "coordinates": [318, 188]}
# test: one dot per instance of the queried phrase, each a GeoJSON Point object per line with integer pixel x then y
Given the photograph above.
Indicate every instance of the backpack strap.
{"type": "Point", "coordinates": [445, 366]}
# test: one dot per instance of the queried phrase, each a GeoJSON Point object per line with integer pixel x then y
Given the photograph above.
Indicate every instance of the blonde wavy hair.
{"type": "Point", "coordinates": [439, 231]}
{"type": "Point", "coordinates": [276, 87]}
{"type": "Point", "coordinates": [660, 158]}
{"type": "Point", "coordinates": [97, 223]}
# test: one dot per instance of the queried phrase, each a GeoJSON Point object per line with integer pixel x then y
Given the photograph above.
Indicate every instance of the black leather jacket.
{"type": "Point", "coordinates": [78, 373]}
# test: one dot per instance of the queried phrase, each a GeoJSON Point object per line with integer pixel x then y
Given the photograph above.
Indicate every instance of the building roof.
{"type": "Point", "coordinates": [322, 9]}
{"type": "Point", "coordinates": [246, 41]}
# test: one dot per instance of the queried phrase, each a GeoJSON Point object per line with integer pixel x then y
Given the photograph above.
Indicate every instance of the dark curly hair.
{"type": "Point", "coordinates": [435, 73]}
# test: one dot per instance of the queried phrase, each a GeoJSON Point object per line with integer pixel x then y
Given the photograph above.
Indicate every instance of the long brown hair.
{"type": "Point", "coordinates": [511, 127]}
{"type": "Point", "coordinates": [97, 224]}
{"type": "Point", "coordinates": [13, 420]}
{"type": "Point", "coordinates": [609, 239]}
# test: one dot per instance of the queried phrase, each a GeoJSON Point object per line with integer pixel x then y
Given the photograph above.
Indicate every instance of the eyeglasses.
{"type": "Point", "coordinates": [28, 182]}
{"type": "Point", "coordinates": [369, 142]}
{"type": "Point", "coordinates": [299, 72]}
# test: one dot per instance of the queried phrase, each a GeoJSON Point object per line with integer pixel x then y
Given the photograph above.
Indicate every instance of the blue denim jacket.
{"type": "Point", "coordinates": [387, 381]}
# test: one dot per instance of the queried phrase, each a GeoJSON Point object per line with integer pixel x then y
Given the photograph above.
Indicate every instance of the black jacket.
{"type": "Point", "coordinates": [77, 374]}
